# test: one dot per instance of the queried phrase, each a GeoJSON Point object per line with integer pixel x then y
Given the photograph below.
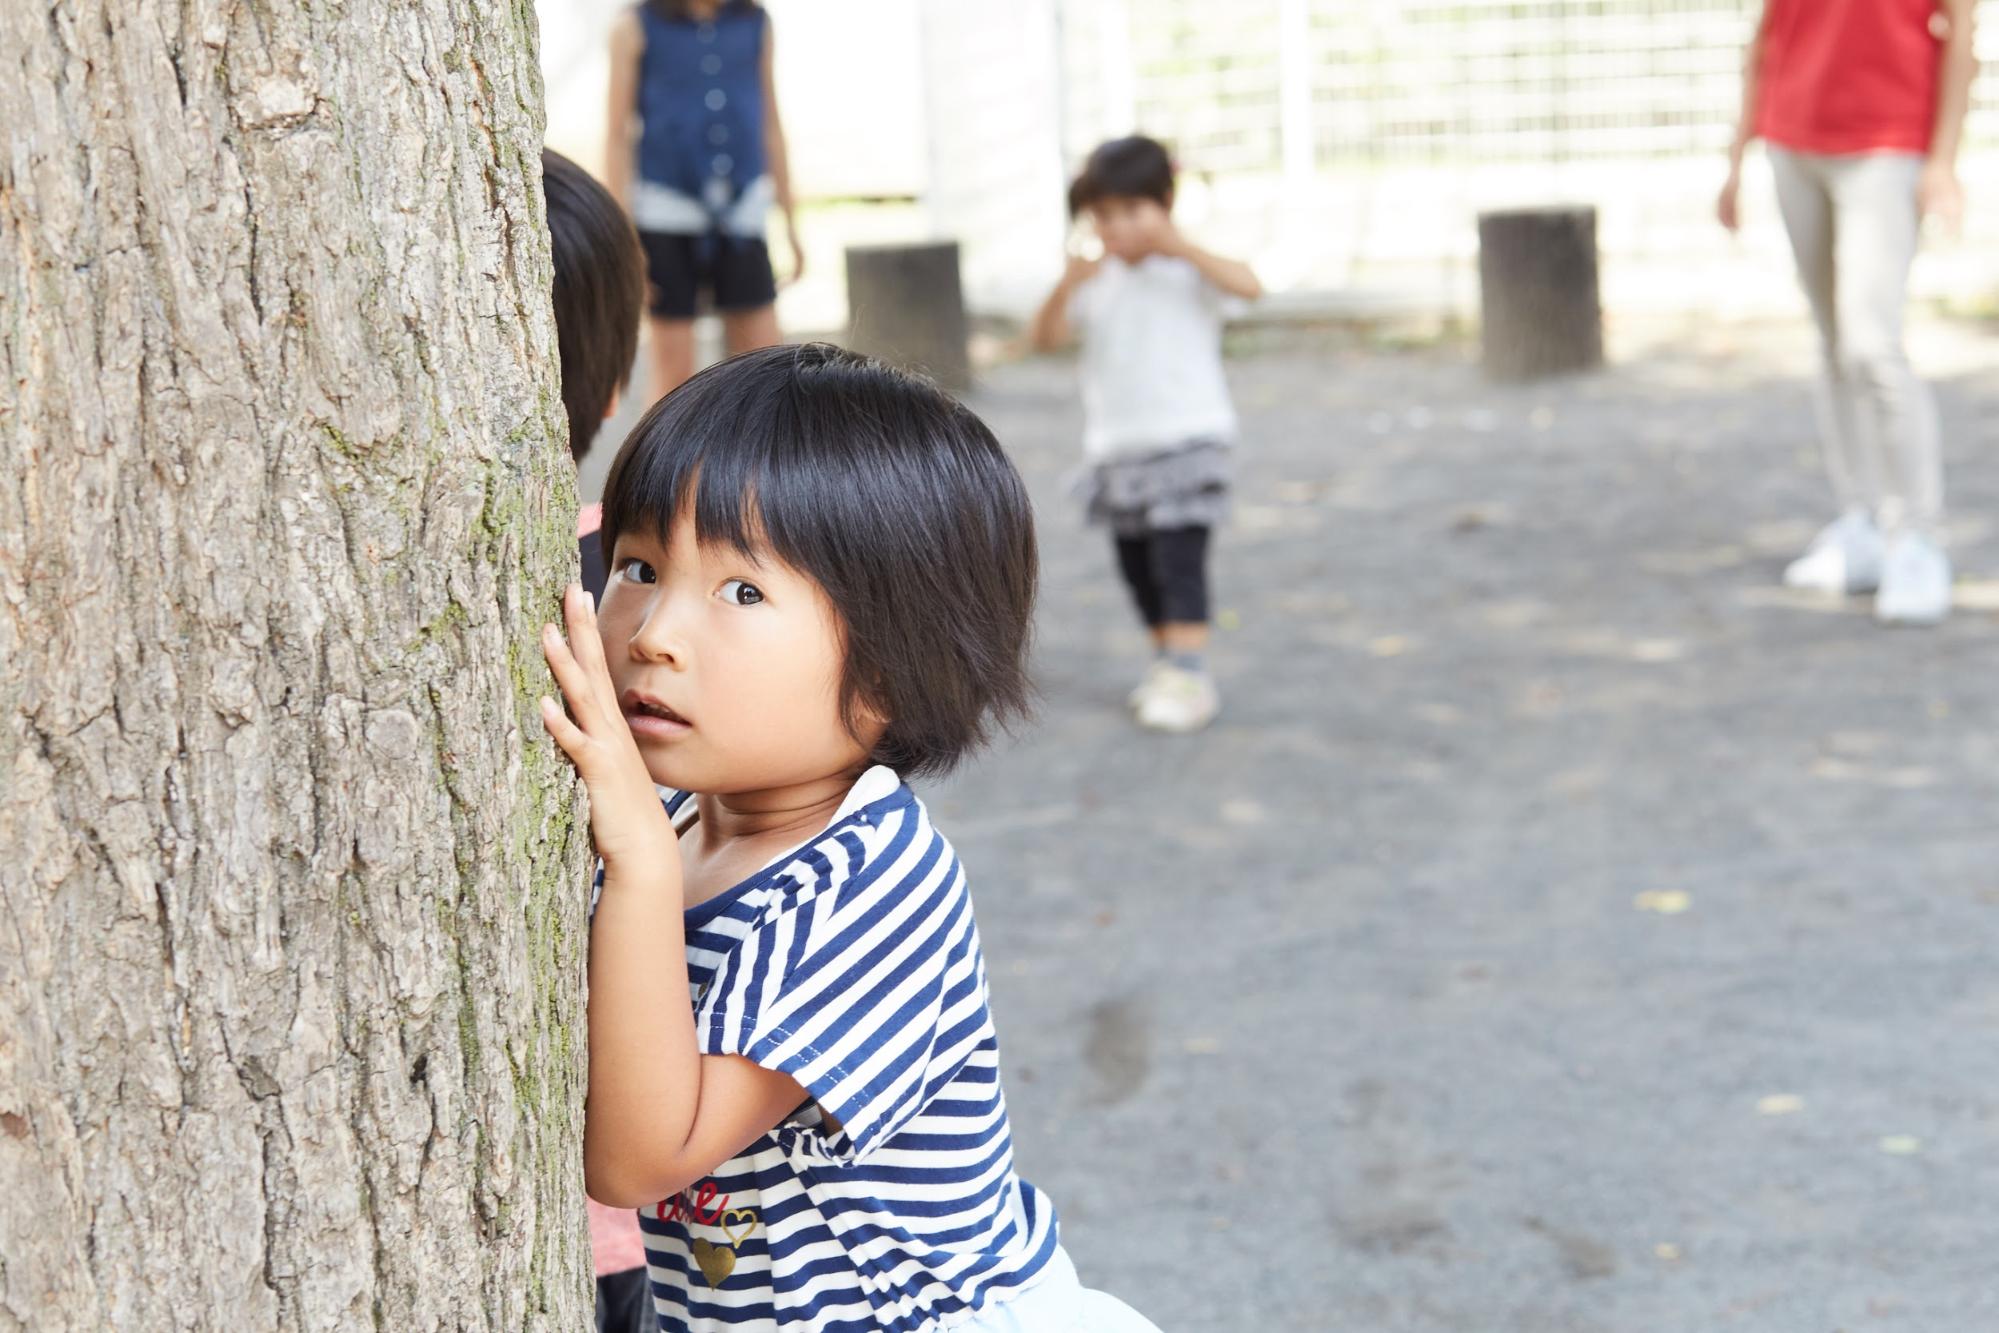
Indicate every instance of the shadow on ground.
{"type": "Point", "coordinates": [1563, 928]}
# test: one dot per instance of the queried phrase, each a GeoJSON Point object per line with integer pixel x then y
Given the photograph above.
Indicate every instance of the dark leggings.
{"type": "Point", "coordinates": [624, 1303]}
{"type": "Point", "coordinates": [1167, 571]}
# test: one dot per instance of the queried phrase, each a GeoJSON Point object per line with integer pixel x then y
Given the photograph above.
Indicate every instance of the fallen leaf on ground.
{"type": "Point", "coordinates": [1658, 650]}
{"type": "Point", "coordinates": [1975, 595]}
{"type": "Point", "coordinates": [1666, 902]}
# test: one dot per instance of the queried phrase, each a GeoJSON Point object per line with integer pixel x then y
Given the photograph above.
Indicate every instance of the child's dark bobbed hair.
{"type": "Point", "coordinates": [599, 293]}
{"type": "Point", "coordinates": [1133, 167]}
{"type": "Point", "coordinates": [888, 493]}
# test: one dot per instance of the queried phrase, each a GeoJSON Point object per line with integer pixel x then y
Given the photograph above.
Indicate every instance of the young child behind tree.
{"type": "Point", "coordinates": [599, 288]}
{"type": "Point", "coordinates": [599, 291]}
{"type": "Point", "coordinates": [1159, 428]}
{"type": "Point", "coordinates": [822, 583]}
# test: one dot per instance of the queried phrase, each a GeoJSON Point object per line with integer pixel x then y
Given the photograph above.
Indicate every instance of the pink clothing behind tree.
{"type": "Point", "coordinates": [615, 1243]}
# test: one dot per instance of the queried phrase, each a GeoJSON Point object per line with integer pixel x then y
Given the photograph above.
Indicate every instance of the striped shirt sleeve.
{"type": "Point", "coordinates": [856, 984]}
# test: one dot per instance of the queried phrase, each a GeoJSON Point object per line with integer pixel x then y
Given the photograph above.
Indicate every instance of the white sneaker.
{"type": "Point", "coordinates": [1915, 583]}
{"type": "Point", "coordinates": [1136, 699]}
{"type": "Point", "coordinates": [1179, 701]}
{"type": "Point", "coordinates": [1844, 558]}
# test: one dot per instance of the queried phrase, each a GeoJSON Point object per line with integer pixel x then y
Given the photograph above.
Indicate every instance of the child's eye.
{"type": "Point", "coordinates": [738, 593]}
{"type": "Point", "coordinates": [636, 570]}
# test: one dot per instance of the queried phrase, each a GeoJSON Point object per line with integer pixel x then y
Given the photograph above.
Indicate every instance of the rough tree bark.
{"type": "Point", "coordinates": [290, 934]}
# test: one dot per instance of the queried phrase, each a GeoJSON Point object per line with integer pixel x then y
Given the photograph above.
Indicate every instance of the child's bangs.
{"type": "Point", "coordinates": [697, 452]}
{"type": "Point", "coordinates": [768, 467]}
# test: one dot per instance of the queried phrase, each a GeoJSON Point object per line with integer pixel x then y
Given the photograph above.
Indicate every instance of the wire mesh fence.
{"type": "Point", "coordinates": [1439, 81]}
{"type": "Point", "coordinates": [1349, 144]}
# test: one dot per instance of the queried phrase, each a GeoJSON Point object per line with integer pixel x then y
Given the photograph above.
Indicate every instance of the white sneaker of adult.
{"type": "Point", "coordinates": [1844, 558]}
{"type": "Point", "coordinates": [1915, 583]}
{"type": "Point", "coordinates": [1179, 701]}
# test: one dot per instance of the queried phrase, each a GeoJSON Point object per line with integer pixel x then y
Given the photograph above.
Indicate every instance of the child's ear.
{"type": "Point", "coordinates": [611, 408]}
{"type": "Point", "coordinates": [871, 720]}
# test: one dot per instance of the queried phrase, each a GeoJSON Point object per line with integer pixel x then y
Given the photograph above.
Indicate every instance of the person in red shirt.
{"type": "Point", "coordinates": [1861, 104]}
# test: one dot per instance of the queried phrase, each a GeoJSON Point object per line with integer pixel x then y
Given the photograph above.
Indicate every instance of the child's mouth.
{"type": "Point", "coordinates": [650, 716]}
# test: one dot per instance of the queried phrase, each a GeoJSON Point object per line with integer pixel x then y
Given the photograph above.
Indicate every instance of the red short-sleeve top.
{"type": "Point", "coordinates": [1849, 76]}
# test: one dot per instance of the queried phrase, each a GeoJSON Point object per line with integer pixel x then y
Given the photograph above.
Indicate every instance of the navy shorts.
{"type": "Point", "coordinates": [733, 271]}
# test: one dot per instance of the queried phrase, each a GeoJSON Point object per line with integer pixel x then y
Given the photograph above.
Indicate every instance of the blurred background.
{"type": "Point", "coordinates": [1346, 144]}
{"type": "Point", "coordinates": [1565, 926]}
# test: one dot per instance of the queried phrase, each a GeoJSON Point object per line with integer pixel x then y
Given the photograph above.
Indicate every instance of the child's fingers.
{"type": "Point", "coordinates": [567, 734]}
{"type": "Point", "coordinates": [570, 678]}
{"type": "Point", "coordinates": [587, 646]}
{"type": "Point", "coordinates": [577, 617]}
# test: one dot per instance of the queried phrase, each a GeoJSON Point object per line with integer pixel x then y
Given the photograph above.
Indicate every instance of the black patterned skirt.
{"type": "Point", "coordinates": [1186, 486]}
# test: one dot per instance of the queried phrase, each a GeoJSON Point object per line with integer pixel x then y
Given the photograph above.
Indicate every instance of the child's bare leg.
{"type": "Point", "coordinates": [747, 330]}
{"type": "Point", "coordinates": [1183, 696]}
{"type": "Point", "coordinates": [672, 342]}
{"type": "Point", "coordinates": [1182, 637]}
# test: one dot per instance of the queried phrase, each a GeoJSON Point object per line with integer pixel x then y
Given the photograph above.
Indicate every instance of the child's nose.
{"type": "Point", "coordinates": [661, 636]}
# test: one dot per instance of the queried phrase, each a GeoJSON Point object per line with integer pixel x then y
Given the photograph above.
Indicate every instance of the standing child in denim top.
{"type": "Point", "coordinates": [696, 151]}
{"type": "Point", "coordinates": [822, 574]}
{"type": "Point", "coordinates": [1159, 428]}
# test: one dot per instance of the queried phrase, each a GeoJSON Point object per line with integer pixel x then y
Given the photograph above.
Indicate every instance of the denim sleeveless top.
{"type": "Point", "coordinates": [701, 108]}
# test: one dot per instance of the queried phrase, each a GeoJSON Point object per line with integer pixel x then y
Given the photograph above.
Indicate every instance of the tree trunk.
{"type": "Point", "coordinates": [291, 905]}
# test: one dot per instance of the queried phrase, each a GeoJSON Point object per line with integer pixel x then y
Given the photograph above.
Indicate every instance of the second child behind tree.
{"type": "Point", "coordinates": [1159, 427]}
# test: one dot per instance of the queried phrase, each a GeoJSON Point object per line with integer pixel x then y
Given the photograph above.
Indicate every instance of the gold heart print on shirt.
{"type": "Point", "coordinates": [749, 1217]}
{"type": "Point", "coordinates": [717, 1262]}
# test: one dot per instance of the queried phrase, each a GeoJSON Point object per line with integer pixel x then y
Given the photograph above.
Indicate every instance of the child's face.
{"type": "Point", "coordinates": [727, 668]}
{"type": "Point", "coordinates": [1130, 226]}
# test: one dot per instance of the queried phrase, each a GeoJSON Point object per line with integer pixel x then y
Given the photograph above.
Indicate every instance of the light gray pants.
{"type": "Point", "coordinates": [1853, 224]}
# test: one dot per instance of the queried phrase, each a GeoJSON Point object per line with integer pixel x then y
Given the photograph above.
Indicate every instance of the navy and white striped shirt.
{"type": "Point", "coordinates": [851, 964]}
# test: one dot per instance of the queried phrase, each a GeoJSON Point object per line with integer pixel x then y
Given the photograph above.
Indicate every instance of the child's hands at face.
{"type": "Point", "coordinates": [1155, 228]}
{"type": "Point", "coordinates": [1078, 271]}
{"type": "Point", "coordinates": [627, 822]}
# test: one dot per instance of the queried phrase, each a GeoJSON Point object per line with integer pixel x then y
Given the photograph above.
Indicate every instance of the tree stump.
{"type": "Point", "coordinates": [906, 306]}
{"type": "Point", "coordinates": [1538, 292]}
